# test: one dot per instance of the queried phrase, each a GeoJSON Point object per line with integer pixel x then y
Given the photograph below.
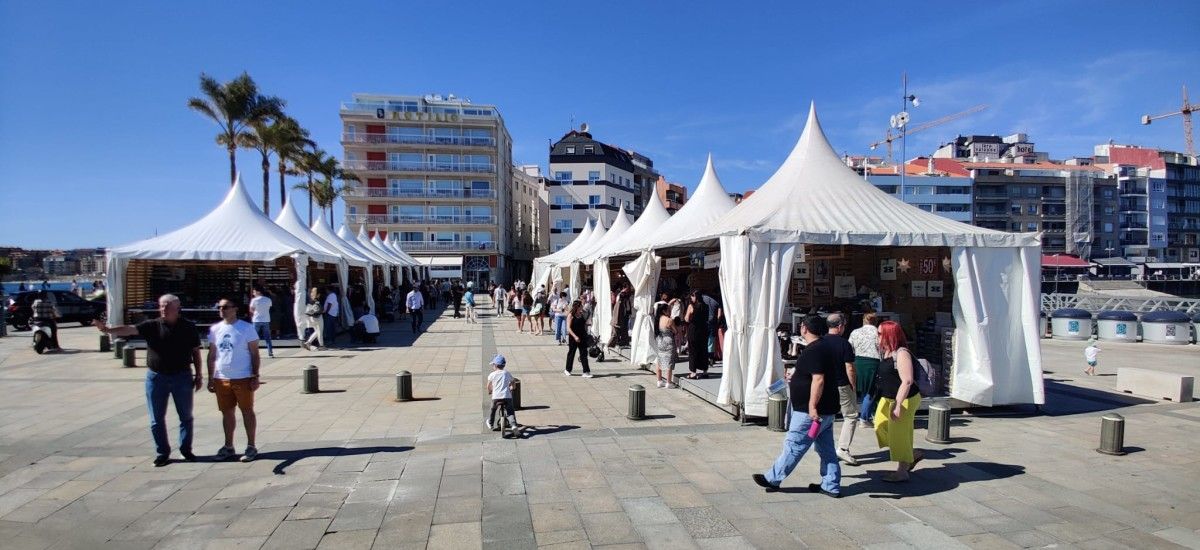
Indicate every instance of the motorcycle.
{"type": "Point", "coordinates": [42, 336]}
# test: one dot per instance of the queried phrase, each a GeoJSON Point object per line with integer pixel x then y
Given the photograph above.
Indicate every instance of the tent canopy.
{"type": "Point", "coordinates": [321, 250]}
{"type": "Point", "coordinates": [615, 233]}
{"type": "Point", "coordinates": [235, 230]}
{"type": "Point", "coordinates": [653, 216]}
{"type": "Point", "coordinates": [703, 208]}
{"type": "Point", "coordinates": [597, 236]}
{"type": "Point", "coordinates": [350, 253]}
{"type": "Point", "coordinates": [352, 241]}
{"type": "Point", "coordinates": [814, 198]}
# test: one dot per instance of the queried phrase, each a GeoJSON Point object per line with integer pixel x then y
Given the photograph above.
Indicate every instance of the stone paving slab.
{"type": "Point", "coordinates": [353, 468]}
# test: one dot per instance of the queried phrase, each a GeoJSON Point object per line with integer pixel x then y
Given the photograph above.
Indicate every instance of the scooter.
{"type": "Point", "coordinates": [42, 336]}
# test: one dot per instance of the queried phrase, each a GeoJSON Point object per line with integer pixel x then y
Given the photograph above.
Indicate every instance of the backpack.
{"type": "Point", "coordinates": [925, 376]}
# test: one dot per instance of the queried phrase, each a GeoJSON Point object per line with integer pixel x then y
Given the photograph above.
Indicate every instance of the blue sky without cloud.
{"type": "Point", "coordinates": [98, 147]}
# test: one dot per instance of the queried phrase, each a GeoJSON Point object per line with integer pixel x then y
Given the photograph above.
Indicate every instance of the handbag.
{"type": "Point", "coordinates": [313, 310]}
{"type": "Point", "coordinates": [537, 309]}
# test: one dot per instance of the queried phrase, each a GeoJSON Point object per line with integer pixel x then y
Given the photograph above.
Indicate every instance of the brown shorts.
{"type": "Point", "coordinates": [234, 393]}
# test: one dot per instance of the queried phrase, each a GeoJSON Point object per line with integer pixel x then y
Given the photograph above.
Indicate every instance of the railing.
{"type": "Point", "coordinates": [409, 139]}
{"type": "Point", "coordinates": [1133, 190]}
{"type": "Point", "coordinates": [1133, 225]}
{"type": "Point", "coordinates": [1094, 303]}
{"type": "Point", "coordinates": [388, 166]}
{"type": "Point", "coordinates": [435, 246]}
{"type": "Point", "coordinates": [357, 191]}
{"type": "Point", "coordinates": [458, 219]}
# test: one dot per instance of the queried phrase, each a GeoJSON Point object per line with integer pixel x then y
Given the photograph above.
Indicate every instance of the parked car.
{"type": "Point", "coordinates": [71, 308]}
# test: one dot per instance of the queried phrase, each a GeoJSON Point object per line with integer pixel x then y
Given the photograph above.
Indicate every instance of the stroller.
{"type": "Point", "coordinates": [595, 350]}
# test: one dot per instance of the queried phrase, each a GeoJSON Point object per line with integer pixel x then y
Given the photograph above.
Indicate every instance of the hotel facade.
{"type": "Point", "coordinates": [435, 178]}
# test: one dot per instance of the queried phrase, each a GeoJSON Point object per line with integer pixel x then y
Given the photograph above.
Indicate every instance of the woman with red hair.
{"type": "Point", "coordinates": [898, 400]}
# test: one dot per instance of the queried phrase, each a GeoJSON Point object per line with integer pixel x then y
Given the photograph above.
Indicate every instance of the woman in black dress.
{"type": "Point", "coordinates": [697, 335]}
{"type": "Point", "coordinates": [577, 338]}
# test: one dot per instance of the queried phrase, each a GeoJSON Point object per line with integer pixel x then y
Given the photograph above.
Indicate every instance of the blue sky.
{"type": "Point", "coordinates": [98, 147]}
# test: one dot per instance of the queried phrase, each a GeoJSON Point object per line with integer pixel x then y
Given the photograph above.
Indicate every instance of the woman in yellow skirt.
{"type": "Point", "coordinates": [899, 398]}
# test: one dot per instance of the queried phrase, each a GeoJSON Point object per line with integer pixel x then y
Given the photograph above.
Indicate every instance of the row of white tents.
{"type": "Point", "coordinates": [813, 198]}
{"type": "Point", "coordinates": [237, 231]}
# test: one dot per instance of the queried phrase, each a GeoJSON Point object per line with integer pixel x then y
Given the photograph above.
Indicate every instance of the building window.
{"type": "Point", "coordinates": [1016, 226]}
{"type": "Point", "coordinates": [570, 149]}
{"type": "Point", "coordinates": [1031, 209]}
{"type": "Point", "coordinates": [1031, 226]}
{"type": "Point", "coordinates": [562, 200]}
{"type": "Point", "coordinates": [564, 175]}
{"type": "Point", "coordinates": [926, 207]}
{"type": "Point", "coordinates": [1031, 191]}
{"type": "Point", "coordinates": [1108, 193]}
{"type": "Point", "coordinates": [1108, 227]}
{"type": "Point", "coordinates": [1157, 238]}
{"type": "Point", "coordinates": [612, 201]}
{"type": "Point", "coordinates": [593, 176]}
{"type": "Point", "coordinates": [564, 225]}
{"type": "Point", "coordinates": [1109, 209]}
{"type": "Point", "coordinates": [593, 200]}
{"type": "Point", "coordinates": [1015, 209]}
{"type": "Point", "coordinates": [589, 150]}
{"type": "Point", "coordinates": [1158, 186]}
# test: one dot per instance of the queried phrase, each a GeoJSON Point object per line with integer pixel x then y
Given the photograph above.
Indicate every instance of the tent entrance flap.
{"type": "Point", "coordinates": [443, 267]}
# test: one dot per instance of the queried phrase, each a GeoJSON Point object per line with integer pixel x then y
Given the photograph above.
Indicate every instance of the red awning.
{"type": "Point", "coordinates": [1063, 260]}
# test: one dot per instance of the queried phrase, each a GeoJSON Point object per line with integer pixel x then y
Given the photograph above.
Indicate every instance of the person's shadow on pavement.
{"type": "Point", "coordinates": [287, 458]}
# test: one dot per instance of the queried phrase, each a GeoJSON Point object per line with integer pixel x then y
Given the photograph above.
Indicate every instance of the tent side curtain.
{"type": "Point", "coordinates": [602, 319]}
{"type": "Point", "coordinates": [770, 272]}
{"type": "Point", "coordinates": [643, 275]}
{"type": "Point", "coordinates": [997, 350]}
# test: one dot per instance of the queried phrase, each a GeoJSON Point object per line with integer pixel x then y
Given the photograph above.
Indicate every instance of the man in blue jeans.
{"type": "Point", "coordinates": [814, 396]}
{"type": "Point", "coordinates": [558, 307]}
{"type": "Point", "coordinates": [260, 315]}
{"type": "Point", "coordinates": [331, 308]}
{"type": "Point", "coordinates": [172, 343]}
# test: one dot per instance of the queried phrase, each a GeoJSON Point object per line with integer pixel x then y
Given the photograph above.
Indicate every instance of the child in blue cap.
{"type": "Point", "coordinates": [500, 384]}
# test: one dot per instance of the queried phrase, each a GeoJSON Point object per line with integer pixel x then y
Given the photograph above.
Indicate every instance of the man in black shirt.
{"type": "Point", "coordinates": [172, 344]}
{"type": "Point", "coordinates": [814, 397]}
{"type": "Point", "coordinates": [847, 394]}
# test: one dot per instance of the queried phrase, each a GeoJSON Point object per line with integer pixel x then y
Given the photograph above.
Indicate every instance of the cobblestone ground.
{"type": "Point", "coordinates": [352, 468]}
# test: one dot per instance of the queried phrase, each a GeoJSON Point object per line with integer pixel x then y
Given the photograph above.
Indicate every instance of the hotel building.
{"type": "Point", "coordinates": [435, 177]}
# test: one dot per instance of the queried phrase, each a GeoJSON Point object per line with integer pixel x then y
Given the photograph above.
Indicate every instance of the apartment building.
{"type": "Point", "coordinates": [530, 219]}
{"type": "Point", "coordinates": [1159, 202]}
{"type": "Point", "coordinates": [940, 186]}
{"type": "Point", "coordinates": [673, 195]}
{"type": "Point", "coordinates": [436, 178]}
{"type": "Point", "coordinates": [589, 180]}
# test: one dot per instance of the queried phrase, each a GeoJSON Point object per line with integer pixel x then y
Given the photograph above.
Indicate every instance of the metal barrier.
{"type": "Point", "coordinates": [1095, 303]}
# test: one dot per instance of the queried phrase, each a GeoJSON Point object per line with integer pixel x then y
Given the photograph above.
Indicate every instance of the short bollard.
{"type": "Point", "coordinates": [516, 393]}
{"type": "Point", "coordinates": [637, 402]}
{"type": "Point", "coordinates": [404, 386]}
{"type": "Point", "coordinates": [118, 348]}
{"type": "Point", "coordinates": [105, 343]}
{"type": "Point", "coordinates": [938, 430]}
{"type": "Point", "coordinates": [777, 405]}
{"type": "Point", "coordinates": [129, 357]}
{"type": "Point", "coordinates": [1112, 434]}
{"type": "Point", "coordinates": [310, 379]}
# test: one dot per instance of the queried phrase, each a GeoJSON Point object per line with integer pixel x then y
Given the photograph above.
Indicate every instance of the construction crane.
{"type": "Point", "coordinates": [1186, 112]}
{"type": "Point", "coordinates": [889, 138]}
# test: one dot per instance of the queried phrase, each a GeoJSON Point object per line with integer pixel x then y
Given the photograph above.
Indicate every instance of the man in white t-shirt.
{"type": "Point", "coordinates": [500, 297]}
{"type": "Point", "coordinates": [415, 301]}
{"type": "Point", "coordinates": [260, 315]}
{"type": "Point", "coordinates": [366, 328]}
{"type": "Point", "coordinates": [331, 309]}
{"type": "Point", "coordinates": [233, 375]}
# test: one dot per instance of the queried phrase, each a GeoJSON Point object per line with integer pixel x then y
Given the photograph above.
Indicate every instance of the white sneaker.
{"type": "Point", "coordinates": [671, 386]}
{"type": "Point", "coordinates": [661, 384]}
{"type": "Point", "coordinates": [587, 375]}
{"type": "Point", "coordinates": [844, 456]}
{"type": "Point", "coordinates": [488, 423]}
{"type": "Point", "coordinates": [566, 372]}
{"type": "Point", "coordinates": [250, 454]}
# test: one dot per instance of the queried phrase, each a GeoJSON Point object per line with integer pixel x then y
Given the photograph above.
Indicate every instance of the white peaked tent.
{"type": "Point", "coordinates": [544, 266]}
{"type": "Point", "coordinates": [364, 244]}
{"type": "Point", "coordinates": [707, 204]}
{"type": "Point", "coordinates": [354, 256]}
{"type": "Point", "coordinates": [236, 230]}
{"type": "Point", "coordinates": [814, 198]}
{"type": "Point", "coordinates": [653, 216]}
{"type": "Point", "coordinates": [387, 251]}
{"type": "Point", "coordinates": [375, 258]}
{"type": "Point", "coordinates": [289, 219]}
{"type": "Point", "coordinates": [413, 264]}
{"type": "Point", "coordinates": [571, 261]}
{"type": "Point", "coordinates": [601, 283]}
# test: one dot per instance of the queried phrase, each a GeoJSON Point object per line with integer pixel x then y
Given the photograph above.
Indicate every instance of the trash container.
{"type": "Point", "coordinates": [1071, 324]}
{"type": "Point", "coordinates": [1166, 327]}
{"type": "Point", "coordinates": [1117, 326]}
{"type": "Point", "coordinates": [1043, 324]}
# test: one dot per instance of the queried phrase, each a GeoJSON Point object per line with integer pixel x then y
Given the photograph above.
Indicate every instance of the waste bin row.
{"type": "Point", "coordinates": [1156, 327]}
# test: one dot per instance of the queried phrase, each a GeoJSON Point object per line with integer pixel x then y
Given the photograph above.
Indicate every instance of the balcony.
{"type": "Point", "coordinates": [399, 139]}
{"type": "Point", "coordinates": [439, 246]}
{"type": "Point", "coordinates": [1133, 190]}
{"type": "Point", "coordinates": [991, 213]}
{"type": "Point", "coordinates": [397, 219]}
{"type": "Point", "coordinates": [1134, 226]}
{"type": "Point", "coordinates": [384, 192]}
{"type": "Point", "coordinates": [388, 166]}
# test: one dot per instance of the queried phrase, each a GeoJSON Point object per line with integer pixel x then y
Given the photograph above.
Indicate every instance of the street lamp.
{"type": "Point", "coordinates": [900, 122]}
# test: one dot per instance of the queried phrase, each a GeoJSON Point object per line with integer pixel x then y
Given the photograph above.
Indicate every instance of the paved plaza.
{"type": "Point", "coordinates": [352, 468]}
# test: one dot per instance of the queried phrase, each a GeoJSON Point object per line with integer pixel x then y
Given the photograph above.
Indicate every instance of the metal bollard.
{"type": "Point", "coordinates": [938, 430]}
{"type": "Point", "coordinates": [105, 343]}
{"type": "Point", "coordinates": [516, 393]}
{"type": "Point", "coordinates": [404, 386]}
{"type": "Point", "coordinates": [118, 348]}
{"type": "Point", "coordinates": [1112, 434]}
{"type": "Point", "coordinates": [637, 402]}
{"type": "Point", "coordinates": [129, 357]}
{"type": "Point", "coordinates": [777, 405]}
{"type": "Point", "coordinates": [310, 379]}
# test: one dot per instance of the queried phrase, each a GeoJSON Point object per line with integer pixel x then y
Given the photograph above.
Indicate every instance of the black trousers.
{"type": "Point", "coordinates": [505, 406]}
{"type": "Point", "coordinates": [418, 317]}
{"type": "Point", "coordinates": [572, 347]}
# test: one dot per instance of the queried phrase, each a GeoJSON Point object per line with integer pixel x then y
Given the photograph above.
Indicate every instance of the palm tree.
{"type": "Point", "coordinates": [233, 106]}
{"type": "Point", "coordinates": [282, 134]}
{"type": "Point", "coordinates": [309, 162]}
{"type": "Point", "coordinates": [289, 144]}
{"type": "Point", "coordinates": [331, 172]}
